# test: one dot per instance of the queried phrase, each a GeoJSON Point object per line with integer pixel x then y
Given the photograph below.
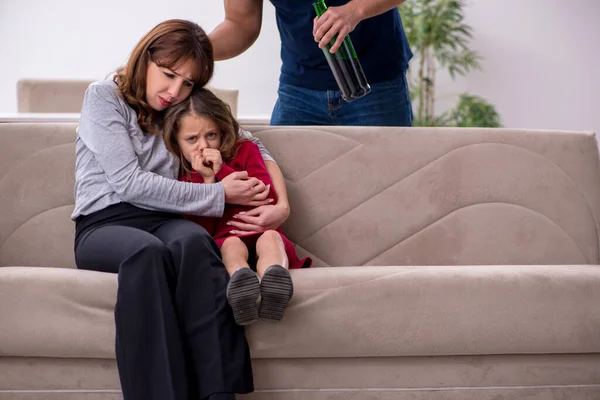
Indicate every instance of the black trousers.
{"type": "Point", "coordinates": [176, 338]}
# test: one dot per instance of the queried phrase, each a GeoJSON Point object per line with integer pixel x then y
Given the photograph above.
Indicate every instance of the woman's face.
{"type": "Point", "coordinates": [196, 133]}
{"type": "Point", "coordinates": [166, 87]}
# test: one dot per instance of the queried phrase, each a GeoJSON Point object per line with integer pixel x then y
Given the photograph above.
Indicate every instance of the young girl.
{"type": "Point", "coordinates": [204, 135]}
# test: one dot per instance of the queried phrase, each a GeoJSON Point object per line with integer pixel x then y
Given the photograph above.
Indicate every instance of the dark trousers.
{"type": "Point", "coordinates": [176, 338]}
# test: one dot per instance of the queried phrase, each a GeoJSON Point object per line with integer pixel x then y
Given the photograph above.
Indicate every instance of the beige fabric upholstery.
{"type": "Point", "coordinates": [370, 312]}
{"type": "Point", "coordinates": [373, 196]}
{"type": "Point", "coordinates": [396, 196]}
{"type": "Point", "coordinates": [229, 96]}
{"type": "Point", "coordinates": [536, 377]}
{"type": "Point", "coordinates": [50, 95]}
{"type": "Point", "coordinates": [461, 259]}
{"type": "Point", "coordinates": [66, 96]}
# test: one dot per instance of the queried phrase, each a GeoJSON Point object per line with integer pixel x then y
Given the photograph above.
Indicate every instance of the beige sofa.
{"type": "Point", "coordinates": [456, 264]}
{"type": "Point", "coordinates": [66, 95]}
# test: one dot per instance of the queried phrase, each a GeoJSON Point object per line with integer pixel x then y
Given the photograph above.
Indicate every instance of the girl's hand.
{"type": "Point", "coordinates": [213, 157]}
{"type": "Point", "coordinates": [202, 166]}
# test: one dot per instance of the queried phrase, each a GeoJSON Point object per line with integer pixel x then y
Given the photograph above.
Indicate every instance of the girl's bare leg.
{"type": "Point", "coordinates": [270, 251]}
{"type": "Point", "coordinates": [235, 254]}
{"type": "Point", "coordinates": [243, 289]}
{"type": "Point", "coordinates": [276, 286]}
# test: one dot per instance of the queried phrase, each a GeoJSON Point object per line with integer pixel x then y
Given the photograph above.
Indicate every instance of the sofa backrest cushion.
{"type": "Point", "coordinates": [359, 196]}
{"type": "Point", "coordinates": [51, 95]}
{"type": "Point", "coordinates": [419, 196]}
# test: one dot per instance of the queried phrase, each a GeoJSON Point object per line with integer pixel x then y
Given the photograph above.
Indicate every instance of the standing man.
{"type": "Point", "coordinates": [308, 93]}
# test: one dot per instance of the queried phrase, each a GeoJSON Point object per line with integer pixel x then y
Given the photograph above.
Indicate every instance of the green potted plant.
{"type": "Point", "coordinates": [439, 38]}
{"type": "Point", "coordinates": [474, 111]}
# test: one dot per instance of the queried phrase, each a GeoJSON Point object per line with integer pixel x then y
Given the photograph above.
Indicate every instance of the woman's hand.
{"type": "Point", "coordinates": [338, 21]}
{"type": "Point", "coordinates": [260, 219]}
{"type": "Point", "coordinates": [239, 189]}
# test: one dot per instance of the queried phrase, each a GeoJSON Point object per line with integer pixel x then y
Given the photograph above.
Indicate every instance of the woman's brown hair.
{"type": "Point", "coordinates": [168, 44]}
{"type": "Point", "coordinates": [202, 103]}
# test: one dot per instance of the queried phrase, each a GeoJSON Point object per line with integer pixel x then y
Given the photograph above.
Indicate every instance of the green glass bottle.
{"type": "Point", "coordinates": [344, 64]}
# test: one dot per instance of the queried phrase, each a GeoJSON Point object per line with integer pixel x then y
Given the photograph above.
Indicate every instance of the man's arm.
{"type": "Point", "coordinates": [342, 20]}
{"type": "Point", "coordinates": [370, 8]}
{"type": "Point", "coordinates": [239, 30]}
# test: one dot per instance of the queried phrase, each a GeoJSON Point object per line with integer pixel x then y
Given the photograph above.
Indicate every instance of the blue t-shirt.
{"type": "Point", "coordinates": [380, 43]}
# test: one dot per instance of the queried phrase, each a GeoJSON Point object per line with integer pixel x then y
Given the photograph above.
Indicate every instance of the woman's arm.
{"type": "Point", "coordinates": [104, 130]}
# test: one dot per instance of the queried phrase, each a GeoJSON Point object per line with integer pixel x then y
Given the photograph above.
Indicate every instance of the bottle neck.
{"type": "Point", "coordinates": [320, 7]}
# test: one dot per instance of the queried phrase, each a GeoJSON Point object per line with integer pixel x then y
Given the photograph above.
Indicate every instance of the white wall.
{"type": "Point", "coordinates": [540, 69]}
{"type": "Point", "coordinates": [88, 40]}
{"type": "Point", "coordinates": [542, 62]}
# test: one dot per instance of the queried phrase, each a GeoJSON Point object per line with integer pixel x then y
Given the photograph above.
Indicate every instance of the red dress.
{"type": "Point", "coordinates": [248, 159]}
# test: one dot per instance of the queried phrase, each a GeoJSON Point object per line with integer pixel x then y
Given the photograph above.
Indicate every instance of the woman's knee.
{"type": "Point", "coordinates": [147, 260]}
{"type": "Point", "coordinates": [152, 248]}
{"type": "Point", "coordinates": [107, 249]}
{"type": "Point", "coordinates": [148, 252]}
{"type": "Point", "coordinates": [192, 235]}
{"type": "Point", "coordinates": [190, 244]}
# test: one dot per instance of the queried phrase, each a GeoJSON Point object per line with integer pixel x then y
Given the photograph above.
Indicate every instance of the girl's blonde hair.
{"type": "Point", "coordinates": [202, 103]}
{"type": "Point", "coordinates": [169, 44]}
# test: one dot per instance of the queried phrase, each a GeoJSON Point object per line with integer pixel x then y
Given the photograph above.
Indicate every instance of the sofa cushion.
{"type": "Point", "coordinates": [51, 95]}
{"type": "Point", "coordinates": [66, 95]}
{"type": "Point", "coordinates": [338, 312]}
{"type": "Point", "coordinates": [416, 196]}
{"type": "Point", "coordinates": [37, 174]}
{"type": "Point", "coordinates": [57, 312]}
{"type": "Point", "coordinates": [360, 196]}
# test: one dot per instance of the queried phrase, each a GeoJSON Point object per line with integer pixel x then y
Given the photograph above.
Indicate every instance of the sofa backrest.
{"type": "Point", "coordinates": [66, 95]}
{"type": "Point", "coordinates": [50, 95]}
{"type": "Point", "coordinates": [360, 196]}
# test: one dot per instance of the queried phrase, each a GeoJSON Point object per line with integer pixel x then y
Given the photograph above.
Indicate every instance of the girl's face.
{"type": "Point", "coordinates": [166, 87]}
{"type": "Point", "coordinates": [196, 133]}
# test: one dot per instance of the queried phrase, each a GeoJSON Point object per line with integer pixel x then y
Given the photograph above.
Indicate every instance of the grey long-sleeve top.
{"type": "Point", "coordinates": [117, 162]}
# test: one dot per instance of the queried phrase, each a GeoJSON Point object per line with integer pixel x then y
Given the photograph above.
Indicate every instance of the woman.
{"type": "Point", "coordinates": [175, 334]}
